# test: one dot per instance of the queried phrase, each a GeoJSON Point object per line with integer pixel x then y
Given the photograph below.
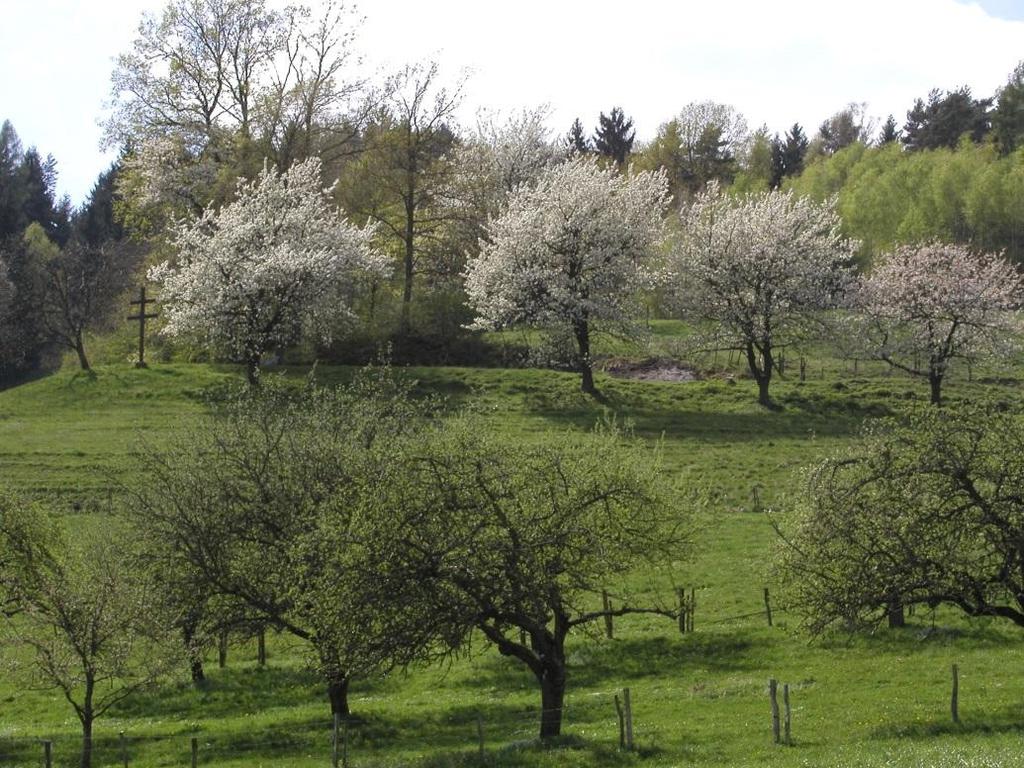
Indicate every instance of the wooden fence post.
{"type": "Point", "coordinates": [334, 741]}
{"type": "Point", "coordinates": [628, 707]}
{"type": "Point", "coordinates": [803, 369]}
{"type": "Point", "coordinates": [480, 733]}
{"type": "Point", "coordinates": [767, 606]}
{"type": "Point", "coordinates": [786, 715]}
{"type": "Point", "coordinates": [222, 650]}
{"type": "Point", "coordinates": [954, 703]}
{"type": "Point", "coordinates": [195, 752]}
{"type": "Point", "coordinates": [48, 754]}
{"type": "Point", "coordinates": [606, 603]}
{"type": "Point", "coordinates": [684, 621]}
{"type": "Point", "coordinates": [622, 723]}
{"type": "Point", "coordinates": [261, 647]}
{"type": "Point", "coordinates": [773, 696]}
{"type": "Point", "coordinates": [124, 750]}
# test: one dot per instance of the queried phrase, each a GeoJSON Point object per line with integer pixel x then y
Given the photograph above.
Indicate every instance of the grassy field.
{"type": "Point", "coordinates": [698, 699]}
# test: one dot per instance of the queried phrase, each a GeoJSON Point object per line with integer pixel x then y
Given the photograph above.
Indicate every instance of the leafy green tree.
{"type": "Point", "coordinates": [702, 143]}
{"type": "Point", "coordinates": [400, 177]}
{"type": "Point", "coordinates": [517, 541]}
{"type": "Point", "coordinates": [842, 129]}
{"type": "Point", "coordinates": [614, 136]}
{"type": "Point", "coordinates": [89, 621]}
{"type": "Point", "coordinates": [922, 510]}
{"type": "Point", "coordinates": [257, 507]}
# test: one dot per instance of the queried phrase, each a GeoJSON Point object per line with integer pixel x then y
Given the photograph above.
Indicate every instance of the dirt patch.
{"type": "Point", "coordinates": [651, 369]}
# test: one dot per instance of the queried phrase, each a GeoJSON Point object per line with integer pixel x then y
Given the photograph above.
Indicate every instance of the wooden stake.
{"type": "Point", "coordinates": [48, 754]}
{"type": "Point", "coordinates": [955, 699]}
{"type": "Point", "coordinates": [480, 733]}
{"type": "Point", "coordinates": [684, 621]}
{"type": "Point", "coordinates": [767, 606]}
{"type": "Point", "coordinates": [124, 750]}
{"type": "Point", "coordinates": [622, 723]}
{"type": "Point", "coordinates": [334, 740]}
{"type": "Point", "coordinates": [261, 647]}
{"type": "Point", "coordinates": [628, 708]}
{"type": "Point", "coordinates": [222, 650]}
{"type": "Point", "coordinates": [787, 714]}
{"type": "Point", "coordinates": [344, 743]}
{"type": "Point", "coordinates": [195, 752]}
{"type": "Point", "coordinates": [606, 602]}
{"type": "Point", "coordinates": [773, 696]}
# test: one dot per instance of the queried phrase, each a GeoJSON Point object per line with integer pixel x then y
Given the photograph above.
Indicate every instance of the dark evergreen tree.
{"type": "Point", "coordinates": [38, 180]}
{"type": "Point", "coordinates": [576, 140]}
{"type": "Point", "coordinates": [889, 132]}
{"type": "Point", "coordinates": [788, 155]}
{"type": "Point", "coordinates": [945, 118]}
{"type": "Point", "coordinates": [614, 136]}
{"type": "Point", "coordinates": [95, 223]}
{"type": "Point", "coordinates": [23, 337]}
{"type": "Point", "coordinates": [10, 182]}
{"type": "Point", "coordinates": [1008, 116]}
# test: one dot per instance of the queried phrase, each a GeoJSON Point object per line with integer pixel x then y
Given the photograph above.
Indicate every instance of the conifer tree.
{"type": "Point", "coordinates": [614, 136]}
{"type": "Point", "coordinates": [576, 140]}
{"type": "Point", "coordinates": [1008, 116]}
{"type": "Point", "coordinates": [889, 132]}
{"type": "Point", "coordinates": [788, 154]}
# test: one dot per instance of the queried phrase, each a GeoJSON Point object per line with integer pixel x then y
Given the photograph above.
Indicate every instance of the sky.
{"type": "Point", "coordinates": [776, 61]}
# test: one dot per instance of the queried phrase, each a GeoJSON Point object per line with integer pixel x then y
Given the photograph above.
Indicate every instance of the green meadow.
{"type": "Point", "coordinates": [698, 698]}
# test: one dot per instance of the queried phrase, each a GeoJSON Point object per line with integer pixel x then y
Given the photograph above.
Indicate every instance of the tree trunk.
{"type": "Point", "coordinates": [552, 696]}
{"type": "Point", "coordinates": [86, 716]}
{"type": "Point", "coordinates": [581, 329]}
{"type": "Point", "coordinates": [195, 655]}
{"type": "Point", "coordinates": [252, 370]}
{"type": "Point", "coordinates": [762, 374]}
{"type": "Point", "coordinates": [935, 380]}
{"type": "Point", "coordinates": [337, 693]}
{"type": "Point", "coordinates": [410, 252]}
{"type": "Point", "coordinates": [83, 361]}
{"type": "Point", "coordinates": [894, 611]}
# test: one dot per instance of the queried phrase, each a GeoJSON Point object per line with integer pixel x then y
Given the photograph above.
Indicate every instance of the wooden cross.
{"type": "Point", "coordinates": [142, 317]}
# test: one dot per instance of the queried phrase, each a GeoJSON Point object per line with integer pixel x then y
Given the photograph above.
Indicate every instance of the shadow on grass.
{"type": "Point", "coordinates": [596, 662]}
{"type": "Point", "coordinates": [564, 751]}
{"type": "Point", "coordinates": [1007, 721]}
{"type": "Point", "coordinates": [226, 693]}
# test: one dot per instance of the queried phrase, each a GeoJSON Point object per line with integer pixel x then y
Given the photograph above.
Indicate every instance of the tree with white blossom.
{"type": "Point", "coordinates": [923, 306]}
{"type": "Point", "coordinates": [757, 270]}
{"type": "Point", "coordinates": [255, 275]}
{"type": "Point", "coordinates": [571, 254]}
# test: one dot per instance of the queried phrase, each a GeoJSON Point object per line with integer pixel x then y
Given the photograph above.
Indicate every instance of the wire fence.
{"type": "Point", "coordinates": [469, 736]}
